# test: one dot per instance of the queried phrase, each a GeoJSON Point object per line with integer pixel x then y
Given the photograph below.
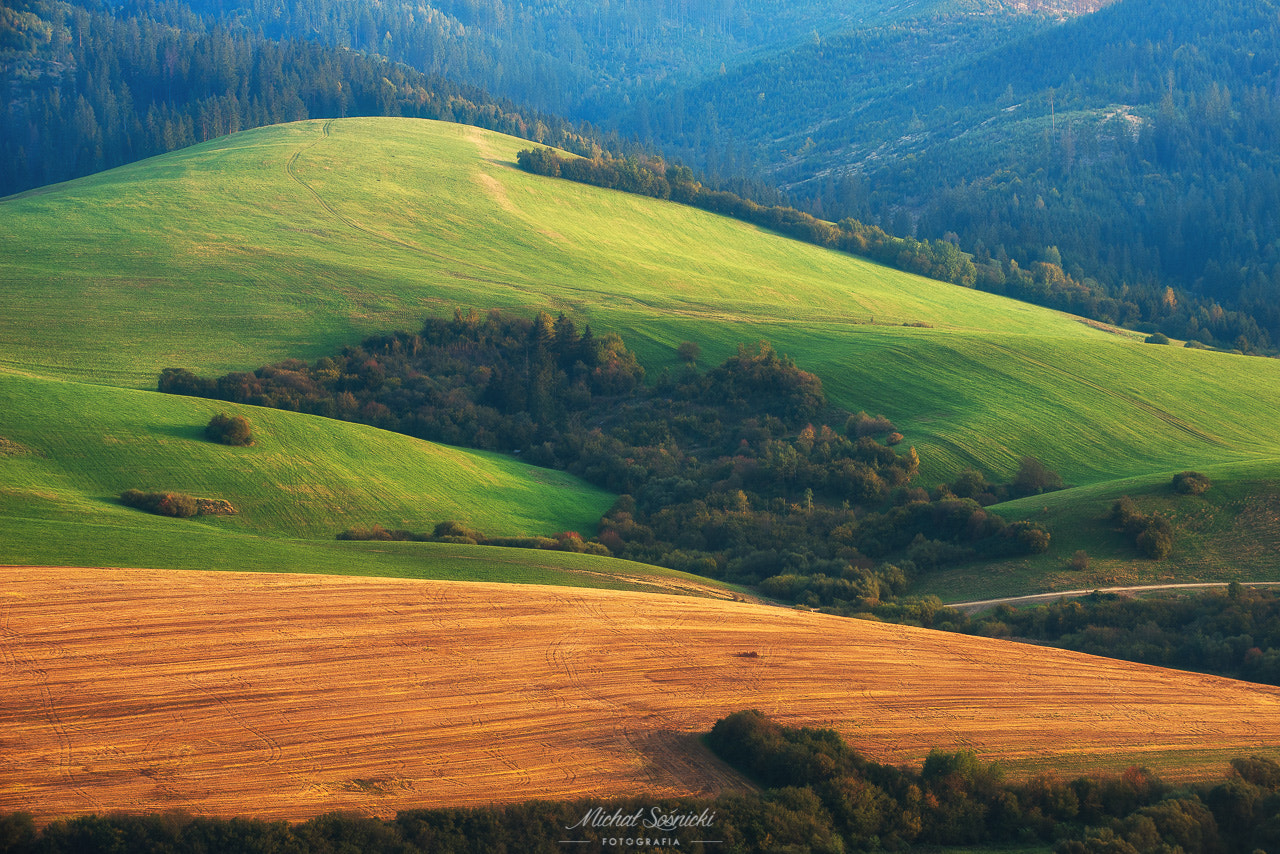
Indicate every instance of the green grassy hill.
{"type": "Point", "coordinates": [69, 449]}
{"type": "Point", "coordinates": [303, 477]}
{"type": "Point", "coordinates": [1231, 533]}
{"type": "Point", "coordinates": [294, 240]}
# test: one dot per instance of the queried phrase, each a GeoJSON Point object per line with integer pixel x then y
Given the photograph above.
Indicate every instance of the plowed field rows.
{"type": "Point", "coordinates": [287, 696]}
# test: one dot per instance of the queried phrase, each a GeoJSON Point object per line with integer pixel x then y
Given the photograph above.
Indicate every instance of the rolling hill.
{"type": "Point", "coordinates": [69, 449]}
{"type": "Point", "coordinates": [283, 697]}
{"type": "Point", "coordinates": [294, 240]}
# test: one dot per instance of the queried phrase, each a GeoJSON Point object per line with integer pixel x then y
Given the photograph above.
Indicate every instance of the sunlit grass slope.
{"type": "Point", "coordinates": [293, 240]}
{"type": "Point", "coordinates": [304, 476]}
{"type": "Point", "coordinates": [69, 449]}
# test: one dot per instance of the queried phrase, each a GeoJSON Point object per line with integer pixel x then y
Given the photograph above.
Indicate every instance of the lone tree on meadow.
{"type": "Point", "coordinates": [1034, 478]}
{"type": "Point", "coordinates": [229, 430]}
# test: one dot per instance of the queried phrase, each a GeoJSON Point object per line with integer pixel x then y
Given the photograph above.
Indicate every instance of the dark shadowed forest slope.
{"type": "Point", "coordinates": [1134, 148]}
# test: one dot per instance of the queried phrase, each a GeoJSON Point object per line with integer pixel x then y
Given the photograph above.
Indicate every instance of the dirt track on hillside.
{"type": "Point", "coordinates": [284, 696]}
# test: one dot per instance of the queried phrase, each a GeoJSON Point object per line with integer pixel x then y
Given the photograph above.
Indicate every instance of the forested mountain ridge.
{"type": "Point", "coordinates": [245, 63]}
{"type": "Point", "coordinates": [1137, 145]}
{"type": "Point", "coordinates": [88, 88]}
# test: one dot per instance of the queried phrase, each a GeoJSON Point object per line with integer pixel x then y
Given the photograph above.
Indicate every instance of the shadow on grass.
{"type": "Point", "coordinates": [193, 432]}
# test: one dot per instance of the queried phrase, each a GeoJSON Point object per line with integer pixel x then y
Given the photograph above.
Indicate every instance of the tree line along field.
{"type": "Point", "coordinates": [285, 696]}
{"type": "Point", "coordinates": [297, 239]}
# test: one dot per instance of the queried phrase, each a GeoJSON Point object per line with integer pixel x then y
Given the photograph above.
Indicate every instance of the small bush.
{"type": "Point", "coordinates": [1079, 560]}
{"type": "Point", "coordinates": [1157, 338]}
{"type": "Point", "coordinates": [1191, 483]}
{"type": "Point", "coordinates": [1035, 478]}
{"type": "Point", "coordinates": [1126, 515]}
{"type": "Point", "coordinates": [1027, 538]}
{"type": "Point", "coordinates": [450, 531]}
{"type": "Point", "coordinates": [174, 504]}
{"type": "Point", "coordinates": [689, 351]}
{"type": "Point", "coordinates": [1153, 535]}
{"type": "Point", "coordinates": [1156, 540]}
{"type": "Point", "coordinates": [229, 430]}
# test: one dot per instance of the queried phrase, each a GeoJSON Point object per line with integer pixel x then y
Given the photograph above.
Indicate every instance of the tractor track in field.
{"type": "Point", "coordinates": [1151, 409]}
{"type": "Point", "coordinates": [291, 168]}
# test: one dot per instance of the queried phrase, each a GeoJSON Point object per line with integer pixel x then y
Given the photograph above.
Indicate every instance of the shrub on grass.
{"type": "Point", "coordinates": [1191, 483]}
{"type": "Point", "coordinates": [1126, 515]}
{"type": "Point", "coordinates": [229, 430]}
{"type": "Point", "coordinates": [174, 504]}
{"type": "Point", "coordinates": [1153, 535]}
{"type": "Point", "coordinates": [1035, 478]}
{"type": "Point", "coordinates": [1156, 539]}
{"type": "Point", "coordinates": [1079, 560]}
{"type": "Point", "coordinates": [1157, 338]}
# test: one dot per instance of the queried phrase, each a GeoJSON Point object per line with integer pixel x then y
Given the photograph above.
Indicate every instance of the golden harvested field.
{"type": "Point", "coordinates": [284, 696]}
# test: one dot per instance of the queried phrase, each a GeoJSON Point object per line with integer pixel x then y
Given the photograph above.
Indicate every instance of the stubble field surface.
{"type": "Point", "coordinates": [285, 696]}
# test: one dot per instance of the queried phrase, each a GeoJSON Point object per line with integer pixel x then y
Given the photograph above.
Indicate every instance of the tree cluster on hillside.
{"type": "Point", "coordinates": [744, 472]}
{"type": "Point", "coordinates": [1151, 532]}
{"type": "Point", "coordinates": [818, 796]}
{"type": "Point", "coordinates": [234, 430]}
